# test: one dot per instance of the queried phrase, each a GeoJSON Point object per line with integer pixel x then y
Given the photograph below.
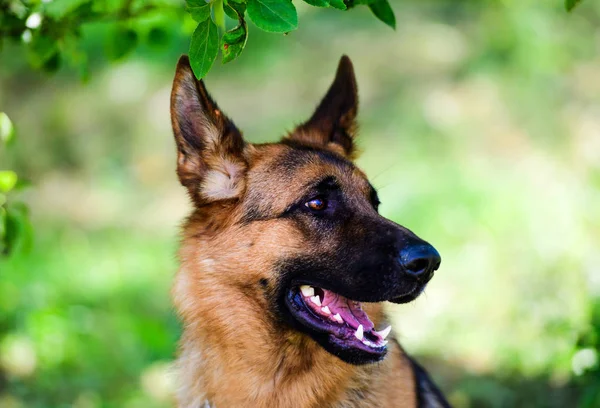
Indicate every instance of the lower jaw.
{"type": "Point", "coordinates": [343, 345]}
{"type": "Point", "coordinates": [357, 354]}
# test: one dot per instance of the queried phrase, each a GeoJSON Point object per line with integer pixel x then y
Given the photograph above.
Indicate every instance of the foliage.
{"type": "Point", "coordinates": [51, 30]}
{"type": "Point", "coordinates": [15, 228]}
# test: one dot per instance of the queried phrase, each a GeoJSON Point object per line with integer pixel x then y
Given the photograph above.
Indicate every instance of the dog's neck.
{"type": "Point", "coordinates": [226, 375]}
{"type": "Point", "coordinates": [292, 372]}
{"type": "Point", "coordinates": [229, 360]}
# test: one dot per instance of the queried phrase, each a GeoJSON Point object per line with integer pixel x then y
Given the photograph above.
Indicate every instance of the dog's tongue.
{"type": "Point", "coordinates": [349, 310]}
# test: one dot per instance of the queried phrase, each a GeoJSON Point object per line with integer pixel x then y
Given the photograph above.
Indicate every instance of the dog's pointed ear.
{"type": "Point", "coordinates": [210, 149]}
{"type": "Point", "coordinates": [333, 124]}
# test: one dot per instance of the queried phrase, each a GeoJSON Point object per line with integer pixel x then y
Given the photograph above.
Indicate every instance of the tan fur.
{"type": "Point", "coordinates": [224, 180]}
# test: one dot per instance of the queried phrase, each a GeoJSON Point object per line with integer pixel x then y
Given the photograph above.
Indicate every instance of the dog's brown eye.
{"type": "Point", "coordinates": [317, 204]}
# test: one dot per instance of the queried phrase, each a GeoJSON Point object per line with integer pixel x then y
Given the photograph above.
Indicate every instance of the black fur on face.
{"type": "Point", "coordinates": [350, 249]}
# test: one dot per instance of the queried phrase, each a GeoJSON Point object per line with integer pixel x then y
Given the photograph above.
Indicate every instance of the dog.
{"type": "Point", "coordinates": [285, 264]}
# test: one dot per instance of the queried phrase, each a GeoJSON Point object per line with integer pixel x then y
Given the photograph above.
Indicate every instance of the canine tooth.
{"type": "Point", "coordinates": [307, 291]}
{"type": "Point", "coordinates": [326, 310]}
{"type": "Point", "coordinates": [316, 300]}
{"type": "Point", "coordinates": [359, 332]}
{"type": "Point", "coordinates": [385, 332]}
{"type": "Point", "coordinates": [338, 318]}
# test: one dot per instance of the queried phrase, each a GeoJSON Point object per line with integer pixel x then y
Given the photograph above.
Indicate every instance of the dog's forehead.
{"type": "Point", "coordinates": [282, 174]}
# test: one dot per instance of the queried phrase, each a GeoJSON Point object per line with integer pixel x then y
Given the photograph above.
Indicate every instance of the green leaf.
{"type": "Point", "coordinates": [275, 16]}
{"type": "Point", "coordinates": [41, 49]}
{"type": "Point", "coordinates": [234, 42]}
{"type": "Point", "coordinates": [571, 4]}
{"type": "Point", "coordinates": [18, 232]}
{"type": "Point", "coordinates": [198, 9]}
{"type": "Point", "coordinates": [232, 51]}
{"type": "Point", "coordinates": [384, 12]}
{"type": "Point", "coordinates": [353, 3]}
{"type": "Point", "coordinates": [318, 3]}
{"type": "Point", "coordinates": [236, 35]}
{"type": "Point", "coordinates": [218, 13]}
{"type": "Point", "coordinates": [338, 4]}
{"type": "Point", "coordinates": [204, 48]}
{"type": "Point", "coordinates": [230, 12]}
{"type": "Point", "coordinates": [7, 130]}
{"type": "Point", "coordinates": [58, 9]}
{"type": "Point", "coordinates": [235, 10]}
{"type": "Point", "coordinates": [120, 42]}
{"type": "Point", "coordinates": [8, 179]}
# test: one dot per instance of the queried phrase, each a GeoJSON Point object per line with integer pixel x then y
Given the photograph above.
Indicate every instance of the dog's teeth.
{"type": "Point", "coordinates": [385, 332]}
{"type": "Point", "coordinates": [307, 291]}
{"type": "Point", "coordinates": [369, 343]}
{"type": "Point", "coordinates": [338, 318]}
{"type": "Point", "coordinates": [359, 332]}
{"type": "Point", "coordinates": [316, 300]}
{"type": "Point", "coordinates": [326, 310]}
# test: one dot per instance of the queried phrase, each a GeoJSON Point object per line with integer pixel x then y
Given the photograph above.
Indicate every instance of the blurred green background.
{"type": "Point", "coordinates": [480, 128]}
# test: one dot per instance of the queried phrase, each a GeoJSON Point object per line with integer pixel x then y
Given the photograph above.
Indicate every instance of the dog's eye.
{"type": "Point", "coordinates": [316, 204]}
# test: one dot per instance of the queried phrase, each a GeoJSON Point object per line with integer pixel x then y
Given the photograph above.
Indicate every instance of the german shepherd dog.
{"type": "Point", "coordinates": [286, 263]}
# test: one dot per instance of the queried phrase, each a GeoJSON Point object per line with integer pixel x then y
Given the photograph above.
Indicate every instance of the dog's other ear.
{"type": "Point", "coordinates": [333, 125]}
{"type": "Point", "coordinates": [210, 160]}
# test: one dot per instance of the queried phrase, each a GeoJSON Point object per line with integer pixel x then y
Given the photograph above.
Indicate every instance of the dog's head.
{"type": "Point", "coordinates": [291, 227]}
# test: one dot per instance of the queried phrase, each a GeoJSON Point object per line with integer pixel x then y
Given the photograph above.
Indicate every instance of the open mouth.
{"type": "Point", "coordinates": [339, 324]}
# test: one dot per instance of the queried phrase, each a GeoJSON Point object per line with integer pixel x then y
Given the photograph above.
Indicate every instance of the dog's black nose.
{"type": "Point", "coordinates": [420, 260]}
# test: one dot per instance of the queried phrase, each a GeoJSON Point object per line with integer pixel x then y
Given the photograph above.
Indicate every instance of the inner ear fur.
{"type": "Point", "coordinates": [333, 124]}
{"type": "Point", "coordinates": [210, 148]}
